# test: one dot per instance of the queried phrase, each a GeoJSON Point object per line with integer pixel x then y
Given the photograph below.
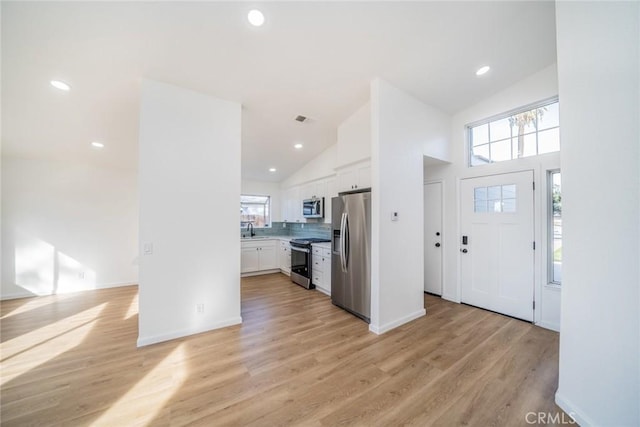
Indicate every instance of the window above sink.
{"type": "Point", "coordinates": [255, 210]}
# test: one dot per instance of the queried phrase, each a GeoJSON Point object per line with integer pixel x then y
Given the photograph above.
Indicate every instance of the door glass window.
{"type": "Point", "coordinates": [496, 198]}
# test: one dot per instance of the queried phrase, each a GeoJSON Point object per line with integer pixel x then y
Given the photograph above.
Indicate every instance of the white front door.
{"type": "Point", "coordinates": [497, 258]}
{"type": "Point", "coordinates": [433, 238]}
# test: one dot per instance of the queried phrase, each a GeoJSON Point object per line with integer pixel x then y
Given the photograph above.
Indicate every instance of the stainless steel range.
{"type": "Point", "coordinates": [301, 260]}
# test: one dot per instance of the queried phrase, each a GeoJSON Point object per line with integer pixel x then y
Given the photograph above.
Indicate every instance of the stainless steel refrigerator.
{"type": "Point", "coordinates": [351, 252]}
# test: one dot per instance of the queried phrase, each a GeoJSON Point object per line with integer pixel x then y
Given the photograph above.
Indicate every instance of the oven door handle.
{"type": "Point", "coordinates": [295, 248]}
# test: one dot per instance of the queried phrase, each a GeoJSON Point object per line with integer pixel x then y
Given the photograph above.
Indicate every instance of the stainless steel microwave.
{"type": "Point", "coordinates": [313, 208]}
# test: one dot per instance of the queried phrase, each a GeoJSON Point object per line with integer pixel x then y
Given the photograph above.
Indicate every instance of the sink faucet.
{"type": "Point", "coordinates": [250, 228]}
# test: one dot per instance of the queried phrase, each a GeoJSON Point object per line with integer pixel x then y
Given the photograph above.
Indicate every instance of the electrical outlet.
{"type": "Point", "coordinates": [302, 225]}
{"type": "Point", "coordinates": [81, 275]}
{"type": "Point", "coordinates": [200, 308]}
{"type": "Point", "coordinates": [284, 225]}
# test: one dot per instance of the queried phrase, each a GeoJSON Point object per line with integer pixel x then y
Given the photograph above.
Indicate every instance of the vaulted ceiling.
{"type": "Point", "coordinates": [310, 58]}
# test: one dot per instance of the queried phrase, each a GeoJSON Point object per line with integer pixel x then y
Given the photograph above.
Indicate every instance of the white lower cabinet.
{"type": "Point", "coordinates": [284, 256]}
{"type": "Point", "coordinates": [258, 256]}
{"type": "Point", "coordinates": [321, 268]}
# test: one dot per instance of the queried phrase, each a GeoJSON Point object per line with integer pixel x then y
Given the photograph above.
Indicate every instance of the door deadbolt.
{"type": "Point", "coordinates": [464, 251]}
{"type": "Point", "coordinates": [437, 245]}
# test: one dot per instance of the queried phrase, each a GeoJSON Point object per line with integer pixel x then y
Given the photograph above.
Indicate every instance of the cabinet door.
{"type": "Point", "coordinates": [316, 263]}
{"type": "Point", "coordinates": [318, 279]}
{"type": "Point", "coordinates": [295, 205]}
{"type": "Point", "coordinates": [330, 192]}
{"type": "Point", "coordinates": [290, 203]}
{"type": "Point", "coordinates": [284, 206]}
{"type": "Point", "coordinates": [364, 177]}
{"type": "Point", "coordinates": [285, 257]}
{"type": "Point", "coordinates": [347, 180]}
{"type": "Point", "coordinates": [326, 270]}
{"type": "Point", "coordinates": [320, 189]}
{"type": "Point", "coordinates": [268, 257]}
{"type": "Point", "coordinates": [249, 259]}
{"type": "Point", "coordinates": [307, 191]}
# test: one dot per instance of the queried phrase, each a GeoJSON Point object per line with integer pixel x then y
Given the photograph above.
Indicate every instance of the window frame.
{"type": "Point", "coordinates": [268, 220]}
{"type": "Point", "coordinates": [550, 229]}
{"type": "Point", "coordinates": [528, 107]}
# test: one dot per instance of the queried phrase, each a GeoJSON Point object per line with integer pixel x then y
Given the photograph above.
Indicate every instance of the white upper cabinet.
{"type": "Point", "coordinates": [355, 177]}
{"type": "Point", "coordinates": [354, 137]}
{"type": "Point", "coordinates": [291, 205]}
{"type": "Point", "coordinates": [331, 191]}
{"type": "Point", "coordinates": [314, 189]}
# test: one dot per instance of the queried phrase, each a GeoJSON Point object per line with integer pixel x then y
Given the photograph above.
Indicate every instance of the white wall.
{"type": "Point", "coordinates": [262, 188]}
{"type": "Point", "coordinates": [401, 127]}
{"type": "Point", "coordinates": [189, 175]}
{"type": "Point", "coordinates": [354, 137]}
{"type": "Point", "coordinates": [539, 86]}
{"type": "Point", "coordinates": [321, 166]}
{"type": "Point", "coordinates": [66, 227]}
{"type": "Point", "coordinates": [598, 71]}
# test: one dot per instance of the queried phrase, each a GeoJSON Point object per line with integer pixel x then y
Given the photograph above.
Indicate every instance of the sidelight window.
{"type": "Point", "coordinates": [555, 227]}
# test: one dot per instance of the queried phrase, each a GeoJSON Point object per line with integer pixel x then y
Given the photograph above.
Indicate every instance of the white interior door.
{"type": "Point", "coordinates": [433, 238]}
{"type": "Point", "coordinates": [497, 259]}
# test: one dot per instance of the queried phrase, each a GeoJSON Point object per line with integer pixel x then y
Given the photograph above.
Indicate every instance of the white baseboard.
{"type": "Point", "coordinates": [573, 411]}
{"type": "Point", "coordinates": [550, 326]}
{"type": "Point", "coordinates": [97, 286]}
{"type": "Point", "coordinates": [260, 273]}
{"type": "Point", "coordinates": [379, 330]}
{"type": "Point", "coordinates": [114, 285]}
{"type": "Point", "coordinates": [324, 291]}
{"type": "Point", "coordinates": [450, 298]}
{"type": "Point", "coordinates": [17, 296]}
{"type": "Point", "coordinates": [143, 341]}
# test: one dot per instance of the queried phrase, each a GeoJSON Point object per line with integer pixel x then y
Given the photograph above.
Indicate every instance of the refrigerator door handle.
{"type": "Point", "coordinates": [342, 243]}
{"type": "Point", "coordinates": [347, 242]}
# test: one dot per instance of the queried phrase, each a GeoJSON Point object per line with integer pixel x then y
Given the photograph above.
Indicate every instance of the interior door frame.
{"type": "Point", "coordinates": [443, 237]}
{"type": "Point", "coordinates": [539, 191]}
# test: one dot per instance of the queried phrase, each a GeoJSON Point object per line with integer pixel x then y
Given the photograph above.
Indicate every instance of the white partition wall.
{"type": "Point", "coordinates": [599, 81]}
{"type": "Point", "coordinates": [402, 128]}
{"type": "Point", "coordinates": [189, 180]}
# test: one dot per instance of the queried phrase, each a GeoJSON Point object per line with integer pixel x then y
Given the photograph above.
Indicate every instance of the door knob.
{"type": "Point", "coordinates": [464, 251]}
{"type": "Point", "coordinates": [437, 245]}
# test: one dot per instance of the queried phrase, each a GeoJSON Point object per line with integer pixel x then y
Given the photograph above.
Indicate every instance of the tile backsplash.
{"type": "Point", "coordinates": [293, 229]}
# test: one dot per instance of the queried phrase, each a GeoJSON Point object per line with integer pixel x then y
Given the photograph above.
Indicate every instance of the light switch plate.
{"type": "Point", "coordinates": [147, 248]}
{"type": "Point", "coordinates": [394, 216]}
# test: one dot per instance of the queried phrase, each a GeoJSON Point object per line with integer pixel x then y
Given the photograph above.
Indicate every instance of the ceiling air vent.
{"type": "Point", "coordinates": [301, 119]}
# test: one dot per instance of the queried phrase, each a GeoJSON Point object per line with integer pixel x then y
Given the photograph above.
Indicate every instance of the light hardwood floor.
{"type": "Point", "coordinates": [296, 360]}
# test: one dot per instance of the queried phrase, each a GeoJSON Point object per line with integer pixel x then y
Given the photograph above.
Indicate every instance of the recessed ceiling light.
{"type": "Point", "coordinates": [255, 17]}
{"type": "Point", "coordinates": [60, 85]}
{"type": "Point", "coordinates": [272, 169]}
{"type": "Point", "coordinates": [97, 144]}
{"type": "Point", "coordinates": [482, 70]}
{"type": "Point", "coordinates": [297, 146]}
